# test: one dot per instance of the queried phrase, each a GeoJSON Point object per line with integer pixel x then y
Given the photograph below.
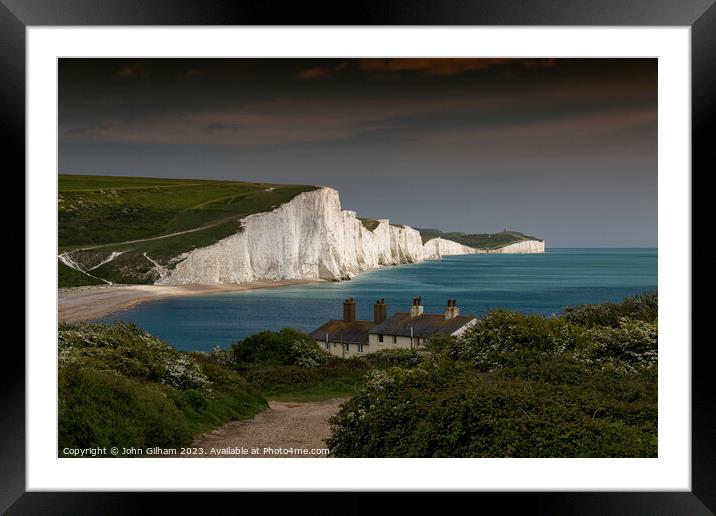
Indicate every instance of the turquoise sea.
{"type": "Point", "coordinates": [539, 283]}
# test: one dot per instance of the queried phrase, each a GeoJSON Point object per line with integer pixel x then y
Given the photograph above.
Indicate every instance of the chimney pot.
{"type": "Point", "coordinates": [380, 312]}
{"type": "Point", "coordinates": [416, 309]}
{"type": "Point", "coordinates": [349, 310]}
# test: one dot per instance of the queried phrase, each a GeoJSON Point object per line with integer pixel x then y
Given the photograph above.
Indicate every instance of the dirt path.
{"type": "Point", "coordinates": [283, 427]}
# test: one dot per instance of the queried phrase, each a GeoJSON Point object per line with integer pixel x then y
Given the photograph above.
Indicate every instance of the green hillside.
{"type": "Point", "coordinates": [478, 240]}
{"type": "Point", "coordinates": [120, 386]}
{"type": "Point", "coordinates": [130, 216]}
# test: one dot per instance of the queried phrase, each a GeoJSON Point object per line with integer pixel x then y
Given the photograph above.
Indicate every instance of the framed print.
{"type": "Point", "coordinates": [433, 247]}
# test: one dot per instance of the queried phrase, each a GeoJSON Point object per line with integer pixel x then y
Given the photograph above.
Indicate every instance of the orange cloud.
{"type": "Point", "coordinates": [131, 71]}
{"type": "Point", "coordinates": [312, 73]}
{"type": "Point", "coordinates": [320, 71]}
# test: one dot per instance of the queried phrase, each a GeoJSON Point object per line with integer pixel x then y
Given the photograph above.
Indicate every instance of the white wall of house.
{"type": "Point", "coordinates": [343, 350]}
{"type": "Point", "coordinates": [392, 342]}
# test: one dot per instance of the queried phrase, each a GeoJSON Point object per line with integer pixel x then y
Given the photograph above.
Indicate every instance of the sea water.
{"type": "Point", "coordinates": [530, 283]}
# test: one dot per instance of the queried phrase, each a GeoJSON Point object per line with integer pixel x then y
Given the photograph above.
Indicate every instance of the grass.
{"type": "Point", "coordinates": [67, 276]}
{"type": "Point", "coordinates": [104, 214]}
{"type": "Point", "coordinates": [478, 240]}
{"type": "Point", "coordinates": [335, 379]}
{"type": "Point", "coordinates": [370, 224]}
{"type": "Point", "coordinates": [323, 390]}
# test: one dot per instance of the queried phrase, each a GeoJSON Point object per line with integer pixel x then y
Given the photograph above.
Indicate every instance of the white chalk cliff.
{"type": "Point", "coordinates": [309, 237]}
{"type": "Point", "coordinates": [523, 247]}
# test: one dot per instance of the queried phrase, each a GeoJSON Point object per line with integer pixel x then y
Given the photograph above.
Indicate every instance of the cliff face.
{"type": "Point", "coordinates": [524, 247]}
{"type": "Point", "coordinates": [438, 247]}
{"type": "Point", "coordinates": [308, 237]}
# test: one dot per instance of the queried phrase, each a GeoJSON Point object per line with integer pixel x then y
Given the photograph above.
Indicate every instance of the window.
{"type": "Point", "coordinates": [348, 347]}
{"type": "Point", "coordinates": [328, 346]}
{"type": "Point", "coordinates": [380, 338]}
{"type": "Point", "coordinates": [360, 348]}
{"type": "Point", "coordinates": [395, 339]}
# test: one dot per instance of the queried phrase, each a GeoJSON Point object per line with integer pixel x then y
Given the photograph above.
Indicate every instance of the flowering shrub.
{"type": "Point", "coordinates": [506, 338]}
{"type": "Point", "coordinates": [130, 351]}
{"type": "Point", "coordinates": [633, 344]}
{"type": "Point", "coordinates": [221, 356]}
{"type": "Point", "coordinates": [306, 353]}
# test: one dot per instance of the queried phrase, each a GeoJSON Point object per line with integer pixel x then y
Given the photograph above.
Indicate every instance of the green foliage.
{"type": "Point", "coordinates": [336, 378]}
{"type": "Point", "coordinates": [478, 240]}
{"type": "Point", "coordinates": [514, 385]}
{"type": "Point", "coordinates": [643, 307]}
{"type": "Point", "coordinates": [120, 386]}
{"type": "Point", "coordinates": [632, 345]}
{"type": "Point", "coordinates": [284, 347]}
{"type": "Point", "coordinates": [370, 224]}
{"type": "Point", "coordinates": [505, 339]}
{"type": "Point", "coordinates": [130, 351]}
{"type": "Point", "coordinates": [394, 357]}
{"type": "Point", "coordinates": [68, 277]}
{"type": "Point", "coordinates": [289, 365]}
{"type": "Point", "coordinates": [105, 409]}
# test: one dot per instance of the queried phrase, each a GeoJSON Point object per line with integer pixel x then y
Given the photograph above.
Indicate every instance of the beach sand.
{"type": "Point", "coordinates": [87, 303]}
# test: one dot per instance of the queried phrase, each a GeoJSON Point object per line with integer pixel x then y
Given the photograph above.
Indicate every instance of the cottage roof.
{"type": "Point", "coordinates": [424, 325]}
{"type": "Point", "coordinates": [353, 332]}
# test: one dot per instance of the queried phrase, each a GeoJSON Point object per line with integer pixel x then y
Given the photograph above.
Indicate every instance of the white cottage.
{"type": "Point", "coordinates": [349, 337]}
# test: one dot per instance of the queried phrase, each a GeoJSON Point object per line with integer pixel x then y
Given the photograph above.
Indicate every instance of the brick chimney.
{"type": "Point", "coordinates": [349, 310]}
{"type": "Point", "coordinates": [380, 311]}
{"type": "Point", "coordinates": [451, 310]}
{"type": "Point", "coordinates": [416, 308]}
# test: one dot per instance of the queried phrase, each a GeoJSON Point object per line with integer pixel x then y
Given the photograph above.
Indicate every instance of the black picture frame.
{"type": "Point", "coordinates": [700, 15]}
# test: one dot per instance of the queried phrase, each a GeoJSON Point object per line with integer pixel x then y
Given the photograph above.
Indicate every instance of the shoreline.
{"type": "Point", "coordinates": [88, 303]}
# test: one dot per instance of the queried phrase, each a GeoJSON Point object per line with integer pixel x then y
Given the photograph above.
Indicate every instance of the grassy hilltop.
{"type": "Point", "coordinates": [478, 240]}
{"type": "Point", "coordinates": [102, 215]}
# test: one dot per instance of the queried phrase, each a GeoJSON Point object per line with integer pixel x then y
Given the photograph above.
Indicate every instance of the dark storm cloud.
{"type": "Point", "coordinates": [435, 66]}
{"type": "Point", "coordinates": [548, 145]}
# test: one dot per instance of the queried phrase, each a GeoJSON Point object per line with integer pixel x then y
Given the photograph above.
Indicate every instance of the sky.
{"type": "Point", "coordinates": [563, 149]}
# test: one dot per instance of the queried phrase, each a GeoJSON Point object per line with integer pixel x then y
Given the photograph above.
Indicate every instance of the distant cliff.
{"type": "Point", "coordinates": [308, 237]}
{"type": "Point", "coordinates": [523, 247]}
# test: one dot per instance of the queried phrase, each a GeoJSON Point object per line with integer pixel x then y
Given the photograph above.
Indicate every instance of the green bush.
{"type": "Point", "coordinates": [643, 307]}
{"type": "Point", "coordinates": [285, 347]}
{"type": "Point", "coordinates": [128, 350]}
{"type": "Point", "coordinates": [632, 344]}
{"type": "Point", "coordinates": [507, 339]}
{"type": "Point", "coordinates": [394, 357]}
{"type": "Point", "coordinates": [459, 412]}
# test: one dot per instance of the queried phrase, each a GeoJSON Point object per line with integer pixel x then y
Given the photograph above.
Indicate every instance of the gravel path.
{"type": "Point", "coordinates": [285, 428]}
